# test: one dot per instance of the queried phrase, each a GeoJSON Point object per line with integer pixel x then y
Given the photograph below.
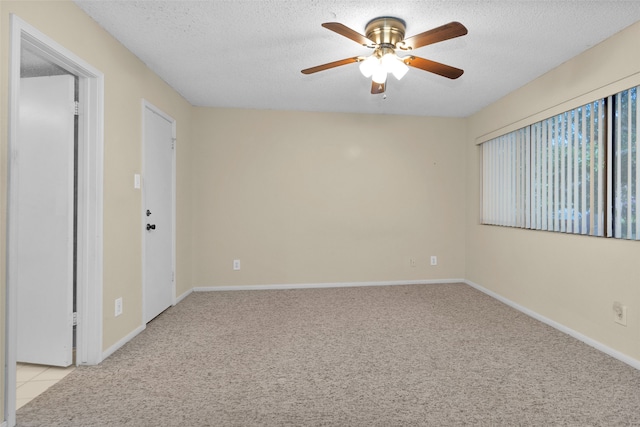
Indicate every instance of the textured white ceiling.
{"type": "Point", "coordinates": [249, 53]}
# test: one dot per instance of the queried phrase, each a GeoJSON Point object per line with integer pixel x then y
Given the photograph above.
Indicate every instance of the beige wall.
{"type": "Point", "coordinates": [127, 82]}
{"type": "Point", "coordinates": [570, 279]}
{"type": "Point", "coordinates": [317, 198]}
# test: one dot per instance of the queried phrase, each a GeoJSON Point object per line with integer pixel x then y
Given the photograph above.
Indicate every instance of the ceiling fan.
{"type": "Point", "coordinates": [385, 35]}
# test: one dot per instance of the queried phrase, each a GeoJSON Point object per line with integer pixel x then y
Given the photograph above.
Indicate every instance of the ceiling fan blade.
{"type": "Point", "coordinates": [347, 32]}
{"type": "Point", "coordinates": [377, 88]}
{"type": "Point", "coordinates": [442, 33]}
{"type": "Point", "coordinates": [331, 65]}
{"type": "Point", "coordinates": [433, 67]}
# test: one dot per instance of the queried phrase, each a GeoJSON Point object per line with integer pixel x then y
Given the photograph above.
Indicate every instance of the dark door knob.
{"type": "Point", "coordinates": [148, 212]}
{"type": "Point", "coordinates": [151, 227]}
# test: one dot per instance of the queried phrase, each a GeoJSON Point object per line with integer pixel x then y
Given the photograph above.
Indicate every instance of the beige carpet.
{"type": "Point", "coordinates": [434, 355]}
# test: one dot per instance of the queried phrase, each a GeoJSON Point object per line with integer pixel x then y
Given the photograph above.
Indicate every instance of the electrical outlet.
{"type": "Point", "coordinates": [118, 310]}
{"type": "Point", "coordinates": [412, 262]}
{"type": "Point", "coordinates": [434, 260]}
{"type": "Point", "coordinates": [236, 264]}
{"type": "Point", "coordinates": [620, 313]}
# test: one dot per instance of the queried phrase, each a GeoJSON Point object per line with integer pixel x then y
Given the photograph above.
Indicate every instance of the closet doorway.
{"type": "Point", "coordinates": [78, 164]}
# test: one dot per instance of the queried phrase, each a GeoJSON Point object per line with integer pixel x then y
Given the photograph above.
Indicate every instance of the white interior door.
{"type": "Point", "coordinates": [45, 190]}
{"type": "Point", "coordinates": [158, 206]}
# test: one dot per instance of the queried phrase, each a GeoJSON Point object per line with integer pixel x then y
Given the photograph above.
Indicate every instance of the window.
{"type": "Point", "coordinates": [567, 187]}
{"type": "Point", "coordinates": [626, 180]}
{"type": "Point", "coordinates": [571, 173]}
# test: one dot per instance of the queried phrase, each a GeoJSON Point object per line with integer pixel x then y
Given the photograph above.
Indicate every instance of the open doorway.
{"type": "Point", "coordinates": [46, 261]}
{"type": "Point", "coordinates": [28, 44]}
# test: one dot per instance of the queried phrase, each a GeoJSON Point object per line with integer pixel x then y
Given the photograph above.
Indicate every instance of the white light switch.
{"type": "Point", "coordinates": [136, 181]}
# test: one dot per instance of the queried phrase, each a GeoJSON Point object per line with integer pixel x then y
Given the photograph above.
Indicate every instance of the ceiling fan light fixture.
{"type": "Point", "coordinates": [394, 65]}
{"type": "Point", "coordinates": [369, 66]}
{"type": "Point", "coordinates": [399, 69]}
{"type": "Point", "coordinates": [380, 75]}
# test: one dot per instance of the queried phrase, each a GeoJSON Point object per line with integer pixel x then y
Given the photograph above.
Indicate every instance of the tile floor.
{"type": "Point", "coordinates": [35, 379]}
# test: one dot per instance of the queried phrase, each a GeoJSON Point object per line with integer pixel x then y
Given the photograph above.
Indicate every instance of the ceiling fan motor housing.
{"type": "Point", "coordinates": [385, 31]}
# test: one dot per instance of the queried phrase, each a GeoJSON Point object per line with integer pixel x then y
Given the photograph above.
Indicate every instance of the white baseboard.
{"type": "Point", "coordinates": [183, 296]}
{"type": "Point", "coordinates": [108, 352]}
{"type": "Point", "coordinates": [324, 285]}
{"type": "Point", "coordinates": [135, 332]}
{"type": "Point", "coordinates": [562, 328]}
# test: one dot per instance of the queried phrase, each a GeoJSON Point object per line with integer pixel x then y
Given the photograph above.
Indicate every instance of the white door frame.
{"type": "Point", "coordinates": [146, 105]}
{"type": "Point", "coordinates": [90, 201]}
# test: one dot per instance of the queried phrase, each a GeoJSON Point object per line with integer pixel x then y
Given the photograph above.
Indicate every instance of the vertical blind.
{"type": "Point", "coordinates": [567, 182]}
{"type": "Point", "coordinates": [571, 173]}
{"type": "Point", "coordinates": [625, 171]}
{"type": "Point", "coordinates": [506, 180]}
